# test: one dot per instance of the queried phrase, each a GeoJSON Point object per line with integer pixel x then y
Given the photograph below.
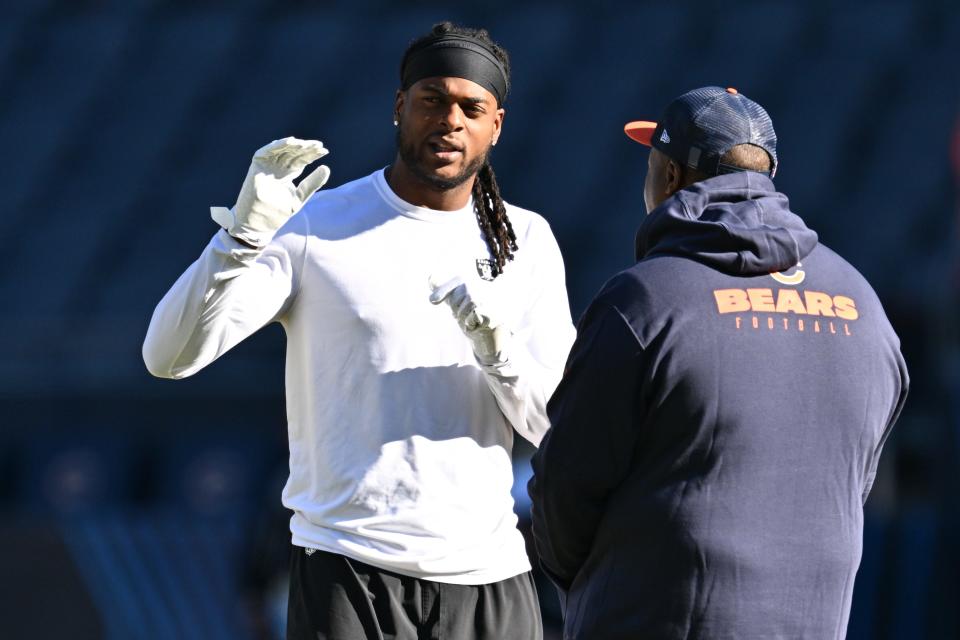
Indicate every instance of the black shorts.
{"type": "Point", "coordinates": [336, 598]}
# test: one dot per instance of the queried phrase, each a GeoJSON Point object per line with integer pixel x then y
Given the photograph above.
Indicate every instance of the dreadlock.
{"type": "Point", "coordinates": [490, 209]}
{"type": "Point", "coordinates": [492, 216]}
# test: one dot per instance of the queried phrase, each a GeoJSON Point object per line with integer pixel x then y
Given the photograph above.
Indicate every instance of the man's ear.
{"type": "Point", "coordinates": [674, 178]}
{"type": "Point", "coordinates": [498, 124]}
{"type": "Point", "coordinates": [398, 104]}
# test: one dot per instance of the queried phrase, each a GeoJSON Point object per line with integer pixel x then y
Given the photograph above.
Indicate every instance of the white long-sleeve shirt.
{"type": "Point", "coordinates": [399, 442]}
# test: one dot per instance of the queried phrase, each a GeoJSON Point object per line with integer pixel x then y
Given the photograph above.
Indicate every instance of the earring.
{"type": "Point", "coordinates": [395, 122]}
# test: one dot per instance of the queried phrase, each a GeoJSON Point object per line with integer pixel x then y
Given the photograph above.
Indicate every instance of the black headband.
{"type": "Point", "coordinates": [455, 56]}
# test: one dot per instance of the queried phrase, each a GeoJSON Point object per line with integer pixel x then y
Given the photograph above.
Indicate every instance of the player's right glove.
{"type": "Point", "coordinates": [268, 197]}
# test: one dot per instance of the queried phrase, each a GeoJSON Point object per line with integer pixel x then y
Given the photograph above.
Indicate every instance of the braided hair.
{"type": "Point", "coordinates": [489, 206]}
{"type": "Point", "coordinates": [492, 216]}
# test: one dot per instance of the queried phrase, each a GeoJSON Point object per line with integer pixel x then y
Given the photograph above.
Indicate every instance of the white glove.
{"type": "Point", "coordinates": [478, 315]}
{"type": "Point", "coordinates": [268, 198]}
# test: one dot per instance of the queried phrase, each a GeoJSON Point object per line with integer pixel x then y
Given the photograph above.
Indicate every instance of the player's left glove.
{"type": "Point", "coordinates": [480, 318]}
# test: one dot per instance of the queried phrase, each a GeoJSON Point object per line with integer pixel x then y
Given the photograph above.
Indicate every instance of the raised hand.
{"type": "Point", "coordinates": [268, 197]}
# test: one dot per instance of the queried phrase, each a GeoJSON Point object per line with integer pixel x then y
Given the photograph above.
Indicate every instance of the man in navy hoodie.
{"type": "Point", "coordinates": [718, 427]}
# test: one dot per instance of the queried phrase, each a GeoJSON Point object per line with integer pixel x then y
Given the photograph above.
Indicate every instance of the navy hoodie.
{"type": "Point", "coordinates": [717, 429]}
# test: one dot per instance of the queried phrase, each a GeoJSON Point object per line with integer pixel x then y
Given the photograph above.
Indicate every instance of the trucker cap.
{"type": "Point", "coordinates": [700, 126]}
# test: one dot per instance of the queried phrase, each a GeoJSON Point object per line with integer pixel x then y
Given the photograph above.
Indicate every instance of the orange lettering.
{"type": "Point", "coordinates": [845, 307]}
{"type": "Point", "coordinates": [800, 324]}
{"type": "Point", "coordinates": [846, 329]}
{"type": "Point", "coordinates": [816, 326]}
{"type": "Point", "coordinates": [786, 324]}
{"type": "Point", "coordinates": [731, 300]}
{"type": "Point", "coordinates": [788, 300]}
{"type": "Point", "coordinates": [769, 323]}
{"type": "Point", "coordinates": [738, 322]}
{"type": "Point", "coordinates": [761, 299]}
{"type": "Point", "coordinates": [756, 323]}
{"type": "Point", "coordinates": [819, 303]}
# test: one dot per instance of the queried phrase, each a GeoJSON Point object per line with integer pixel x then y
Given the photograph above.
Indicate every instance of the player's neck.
{"type": "Point", "coordinates": [413, 190]}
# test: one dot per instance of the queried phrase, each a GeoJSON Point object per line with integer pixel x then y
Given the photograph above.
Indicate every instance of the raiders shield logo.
{"type": "Point", "coordinates": [485, 268]}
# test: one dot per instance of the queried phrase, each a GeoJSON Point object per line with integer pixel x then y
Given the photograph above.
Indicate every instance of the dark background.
{"type": "Point", "coordinates": [132, 507]}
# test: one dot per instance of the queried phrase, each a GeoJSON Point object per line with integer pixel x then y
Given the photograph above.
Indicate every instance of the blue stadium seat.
{"type": "Point", "coordinates": [158, 575]}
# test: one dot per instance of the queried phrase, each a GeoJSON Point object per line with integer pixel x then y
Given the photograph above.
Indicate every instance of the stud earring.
{"type": "Point", "coordinates": [395, 122]}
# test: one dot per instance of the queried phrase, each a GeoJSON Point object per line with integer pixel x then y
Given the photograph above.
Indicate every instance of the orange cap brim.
{"type": "Point", "coordinates": [641, 131]}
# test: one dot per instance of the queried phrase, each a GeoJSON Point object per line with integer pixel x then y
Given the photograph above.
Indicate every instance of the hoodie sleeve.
{"type": "Point", "coordinates": [587, 451]}
{"type": "Point", "coordinates": [901, 383]}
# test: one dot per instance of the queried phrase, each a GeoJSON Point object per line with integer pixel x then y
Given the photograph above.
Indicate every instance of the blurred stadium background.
{"type": "Point", "coordinates": [137, 508]}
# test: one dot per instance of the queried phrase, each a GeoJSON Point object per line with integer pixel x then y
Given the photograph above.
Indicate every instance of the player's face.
{"type": "Point", "coordinates": [447, 126]}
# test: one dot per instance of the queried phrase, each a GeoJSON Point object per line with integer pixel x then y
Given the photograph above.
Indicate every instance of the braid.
{"type": "Point", "coordinates": [492, 216]}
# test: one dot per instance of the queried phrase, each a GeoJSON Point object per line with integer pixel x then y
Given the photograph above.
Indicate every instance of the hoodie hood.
{"type": "Point", "coordinates": [737, 223]}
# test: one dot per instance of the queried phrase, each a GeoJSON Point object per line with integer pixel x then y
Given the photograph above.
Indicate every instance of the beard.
{"type": "Point", "coordinates": [409, 157]}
